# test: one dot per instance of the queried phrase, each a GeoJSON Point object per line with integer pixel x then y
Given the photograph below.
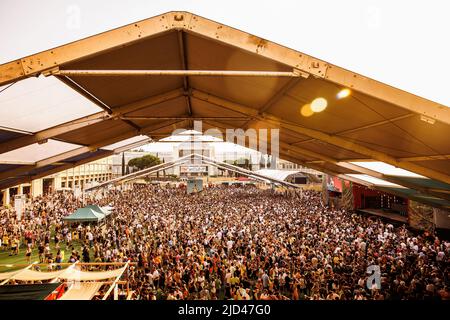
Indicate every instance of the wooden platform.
{"type": "Point", "coordinates": [385, 214]}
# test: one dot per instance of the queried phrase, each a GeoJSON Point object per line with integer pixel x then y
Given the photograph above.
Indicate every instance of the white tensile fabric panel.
{"type": "Point", "coordinates": [35, 104]}
{"type": "Point", "coordinates": [36, 152]}
{"type": "Point", "coordinates": [77, 275]}
{"type": "Point", "coordinates": [276, 174]}
{"type": "Point", "coordinates": [7, 275]}
{"type": "Point", "coordinates": [82, 291]}
{"type": "Point", "coordinates": [385, 168]}
{"type": "Point", "coordinates": [32, 275]}
{"type": "Point", "coordinates": [374, 181]}
{"type": "Point", "coordinates": [68, 274]}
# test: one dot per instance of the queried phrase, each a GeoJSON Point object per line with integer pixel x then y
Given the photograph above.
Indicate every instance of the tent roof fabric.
{"type": "Point", "coordinates": [376, 122]}
{"type": "Point", "coordinates": [33, 275]}
{"type": "Point", "coordinates": [78, 275]}
{"type": "Point", "coordinates": [8, 275]}
{"type": "Point", "coordinates": [82, 291]}
{"type": "Point", "coordinates": [278, 174]}
{"type": "Point", "coordinates": [70, 273]}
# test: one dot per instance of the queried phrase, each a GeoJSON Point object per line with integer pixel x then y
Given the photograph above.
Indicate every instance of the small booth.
{"type": "Point", "coordinates": [85, 215]}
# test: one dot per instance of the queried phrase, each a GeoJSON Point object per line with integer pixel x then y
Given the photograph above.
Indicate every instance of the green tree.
{"type": "Point", "coordinates": [144, 162]}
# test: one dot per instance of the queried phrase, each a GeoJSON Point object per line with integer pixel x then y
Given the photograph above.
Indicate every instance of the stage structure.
{"type": "Point", "coordinates": [193, 158]}
{"type": "Point", "coordinates": [194, 185]}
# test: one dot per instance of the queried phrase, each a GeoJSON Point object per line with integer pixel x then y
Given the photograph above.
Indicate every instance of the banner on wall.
{"type": "Point", "coordinates": [193, 169]}
{"type": "Point", "coordinates": [441, 218]}
{"type": "Point", "coordinates": [19, 205]}
{"type": "Point", "coordinates": [325, 196]}
{"type": "Point", "coordinates": [420, 216]}
{"type": "Point", "coordinates": [347, 201]}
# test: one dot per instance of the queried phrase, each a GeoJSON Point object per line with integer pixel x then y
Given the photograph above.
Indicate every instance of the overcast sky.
{"type": "Point", "coordinates": [402, 43]}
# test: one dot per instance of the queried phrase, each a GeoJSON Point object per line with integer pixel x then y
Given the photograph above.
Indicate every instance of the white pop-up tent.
{"type": "Point", "coordinates": [83, 284]}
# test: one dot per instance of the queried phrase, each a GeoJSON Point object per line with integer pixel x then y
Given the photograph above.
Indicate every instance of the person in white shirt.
{"type": "Point", "coordinates": [230, 246]}
{"type": "Point", "coordinates": [90, 238]}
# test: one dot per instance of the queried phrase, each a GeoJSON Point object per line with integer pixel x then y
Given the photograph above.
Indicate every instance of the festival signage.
{"type": "Point", "coordinates": [193, 169]}
{"type": "Point", "coordinates": [19, 205]}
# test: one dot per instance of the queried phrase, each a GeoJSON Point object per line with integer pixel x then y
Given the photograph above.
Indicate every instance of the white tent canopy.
{"type": "Point", "coordinates": [70, 274]}
{"type": "Point", "coordinates": [33, 94]}
{"type": "Point", "coordinates": [82, 291]}
{"type": "Point", "coordinates": [277, 174]}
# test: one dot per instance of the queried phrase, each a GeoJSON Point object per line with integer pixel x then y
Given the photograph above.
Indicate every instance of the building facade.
{"type": "Point", "coordinates": [77, 177]}
{"type": "Point", "coordinates": [167, 152]}
{"type": "Point", "coordinates": [112, 167]}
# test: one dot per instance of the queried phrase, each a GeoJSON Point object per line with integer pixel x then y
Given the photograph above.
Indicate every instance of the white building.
{"type": "Point", "coordinates": [95, 171]}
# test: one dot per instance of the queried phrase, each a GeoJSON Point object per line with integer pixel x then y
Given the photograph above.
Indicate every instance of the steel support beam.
{"type": "Point", "coordinates": [394, 179]}
{"type": "Point", "coordinates": [409, 159]}
{"type": "Point", "coordinates": [331, 139]}
{"type": "Point", "coordinates": [52, 132]}
{"type": "Point", "coordinates": [318, 68]}
{"type": "Point", "coordinates": [355, 180]}
{"type": "Point", "coordinates": [276, 97]}
{"type": "Point", "coordinates": [291, 157]}
{"type": "Point", "coordinates": [133, 175]}
{"type": "Point", "coordinates": [427, 158]}
{"type": "Point", "coordinates": [248, 173]}
{"type": "Point", "coordinates": [47, 60]}
{"type": "Point", "coordinates": [286, 154]}
{"type": "Point", "coordinates": [81, 150]}
{"type": "Point", "coordinates": [376, 155]}
{"type": "Point", "coordinates": [185, 73]}
{"type": "Point", "coordinates": [372, 125]}
{"type": "Point", "coordinates": [184, 118]}
{"type": "Point", "coordinates": [183, 59]}
{"type": "Point", "coordinates": [38, 63]}
{"type": "Point", "coordinates": [60, 168]}
{"type": "Point", "coordinates": [87, 121]}
{"type": "Point", "coordinates": [350, 166]}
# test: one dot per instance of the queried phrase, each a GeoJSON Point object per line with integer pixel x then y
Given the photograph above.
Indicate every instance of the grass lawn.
{"type": "Point", "coordinates": [5, 257]}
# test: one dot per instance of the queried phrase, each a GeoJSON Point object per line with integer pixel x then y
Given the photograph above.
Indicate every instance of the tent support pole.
{"type": "Point", "coordinates": [111, 287]}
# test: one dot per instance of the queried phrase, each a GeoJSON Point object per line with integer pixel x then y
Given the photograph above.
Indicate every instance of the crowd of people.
{"type": "Point", "coordinates": [237, 243]}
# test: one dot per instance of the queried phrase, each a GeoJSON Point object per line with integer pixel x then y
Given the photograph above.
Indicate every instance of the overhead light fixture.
{"type": "Point", "coordinates": [319, 104]}
{"type": "Point", "coordinates": [306, 110]}
{"type": "Point", "coordinates": [344, 93]}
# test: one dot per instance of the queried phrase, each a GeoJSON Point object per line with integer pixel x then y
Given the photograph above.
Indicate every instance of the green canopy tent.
{"type": "Point", "coordinates": [84, 215]}
{"type": "Point", "coordinates": [27, 291]}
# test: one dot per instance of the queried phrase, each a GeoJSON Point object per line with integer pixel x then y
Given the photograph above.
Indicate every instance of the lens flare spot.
{"type": "Point", "coordinates": [306, 110]}
{"type": "Point", "coordinates": [344, 93]}
{"type": "Point", "coordinates": [319, 104]}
